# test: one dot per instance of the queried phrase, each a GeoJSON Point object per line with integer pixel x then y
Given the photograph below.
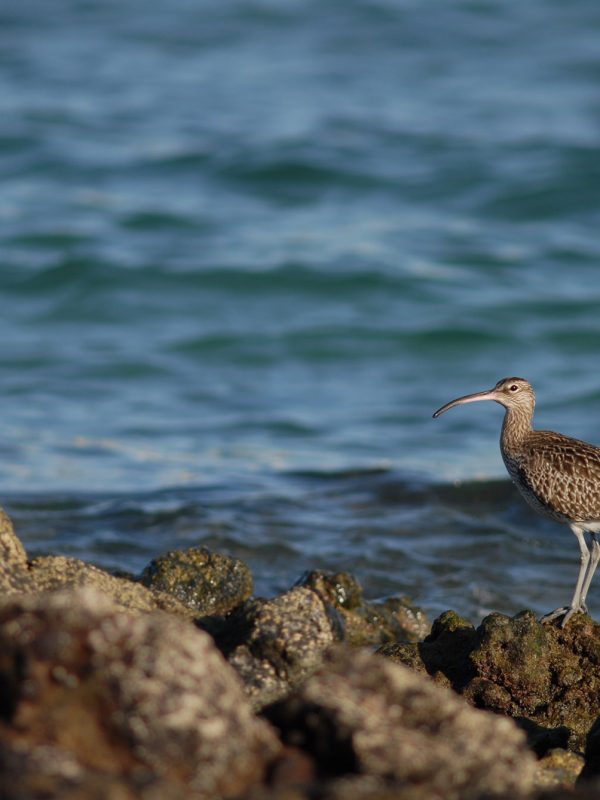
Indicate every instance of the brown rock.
{"type": "Point", "coordinates": [137, 699]}
{"type": "Point", "coordinates": [49, 573]}
{"type": "Point", "coordinates": [275, 644]}
{"type": "Point", "coordinates": [19, 576]}
{"type": "Point", "coordinates": [558, 769]}
{"type": "Point", "coordinates": [365, 716]}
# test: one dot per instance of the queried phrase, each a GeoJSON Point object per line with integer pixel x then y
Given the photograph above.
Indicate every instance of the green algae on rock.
{"type": "Point", "coordinates": [209, 583]}
{"type": "Point", "coordinates": [545, 676]}
{"type": "Point", "coordinates": [367, 623]}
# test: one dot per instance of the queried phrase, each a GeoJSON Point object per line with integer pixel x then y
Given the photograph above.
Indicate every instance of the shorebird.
{"type": "Point", "coordinates": [558, 476]}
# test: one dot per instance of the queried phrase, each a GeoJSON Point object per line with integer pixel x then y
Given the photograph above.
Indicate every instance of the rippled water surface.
{"type": "Point", "coordinates": [247, 248]}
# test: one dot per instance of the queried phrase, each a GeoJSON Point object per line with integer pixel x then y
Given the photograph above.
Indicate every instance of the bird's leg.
{"type": "Point", "coordinates": [595, 558]}
{"type": "Point", "coordinates": [566, 612]}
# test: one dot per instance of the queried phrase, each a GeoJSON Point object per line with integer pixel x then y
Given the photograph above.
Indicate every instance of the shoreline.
{"type": "Point", "coordinates": [179, 682]}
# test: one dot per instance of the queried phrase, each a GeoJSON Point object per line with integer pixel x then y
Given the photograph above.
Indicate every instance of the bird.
{"type": "Point", "coordinates": [558, 476]}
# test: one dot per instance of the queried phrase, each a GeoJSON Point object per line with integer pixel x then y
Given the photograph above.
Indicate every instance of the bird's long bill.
{"type": "Point", "coordinates": [468, 398]}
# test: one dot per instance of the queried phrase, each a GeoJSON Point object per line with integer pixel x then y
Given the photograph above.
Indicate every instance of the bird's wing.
{"type": "Point", "coordinates": [564, 474]}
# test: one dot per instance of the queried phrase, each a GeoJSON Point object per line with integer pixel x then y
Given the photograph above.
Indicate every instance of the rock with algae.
{"type": "Point", "coordinates": [208, 583]}
{"type": "Point", "coordinates": [545, 676]}
{"type": "Point", "coordinates": [363, 622]}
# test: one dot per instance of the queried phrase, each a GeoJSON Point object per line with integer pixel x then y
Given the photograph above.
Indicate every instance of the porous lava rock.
{"type": "Point", "coordinates": [89, 692]}
{"type": "Point", "coordinates": [275, 644]}
{"type": "Point", "coordinates": [375, 728]}
{"type": "Point", "coordinates": [545, 676]}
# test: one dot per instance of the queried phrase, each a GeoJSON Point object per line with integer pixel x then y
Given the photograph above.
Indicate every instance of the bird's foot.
{"type": "Point", "coordinates": [566, 612]}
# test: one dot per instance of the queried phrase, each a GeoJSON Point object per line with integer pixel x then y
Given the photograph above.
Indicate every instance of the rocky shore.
{"type": "Point", "coordinates": [180, 683]}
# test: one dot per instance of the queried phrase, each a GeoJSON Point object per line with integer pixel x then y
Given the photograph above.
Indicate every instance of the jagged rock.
{"type": "Point", "coordinates": [366, 623]}
{"type": "Point", "coordinates": [361, 716]}
{"type": "Point", "coordinates": [543, 675]}
{"type": "Point", "coordinates": [89, 690]}
{"type": "Point", "coordinates": [209, 583]}
{"type": "Point", "coordinates": [275, 644]}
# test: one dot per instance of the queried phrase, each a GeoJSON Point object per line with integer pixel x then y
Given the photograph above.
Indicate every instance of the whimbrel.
{"type": "Point", "coordinates": [558, 476]}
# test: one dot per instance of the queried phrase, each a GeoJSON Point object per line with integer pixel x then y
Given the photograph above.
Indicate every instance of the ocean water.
{"type": "Point", "coordinates": [246, 250]}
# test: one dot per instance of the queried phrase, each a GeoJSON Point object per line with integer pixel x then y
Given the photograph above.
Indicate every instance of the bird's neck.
{"type": "Point", "coordinates": [515, 429]}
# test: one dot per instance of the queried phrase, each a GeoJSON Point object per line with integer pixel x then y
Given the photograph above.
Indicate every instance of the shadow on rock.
{"type": "Point", "coordinates": [362, 718]}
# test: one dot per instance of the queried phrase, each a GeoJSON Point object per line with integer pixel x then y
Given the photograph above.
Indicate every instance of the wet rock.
{"type": "Point", "coordinates": [209, 583]}
{"type": "Point", "coordinates": [545, 676]}
{"type": "Point", "coordinates": [367, 623]}
{"type": "Point", "coordinates": [362, 716]}
{"type": "Point", "coordinates": [275, 644]}
{"type": "Point", "coordinates": [89, 692]}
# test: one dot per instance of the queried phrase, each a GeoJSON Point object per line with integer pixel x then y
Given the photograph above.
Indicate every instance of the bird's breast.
{"type": "Point", "coordinates": [539, 489]}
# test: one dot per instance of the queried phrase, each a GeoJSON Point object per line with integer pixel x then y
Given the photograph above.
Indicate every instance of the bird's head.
{"type": "Point", "coordinates": [512, 393]}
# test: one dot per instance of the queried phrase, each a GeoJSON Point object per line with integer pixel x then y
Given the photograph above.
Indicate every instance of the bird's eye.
{"type": "Point", "coordinates": [514, 388]}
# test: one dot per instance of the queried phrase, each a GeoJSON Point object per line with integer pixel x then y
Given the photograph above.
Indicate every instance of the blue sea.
{"type": "Point", "coordinates": [247, 249]}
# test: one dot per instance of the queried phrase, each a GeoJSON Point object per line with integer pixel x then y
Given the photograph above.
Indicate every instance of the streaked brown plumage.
{"type": "Point", "coordinates": [558, 476]}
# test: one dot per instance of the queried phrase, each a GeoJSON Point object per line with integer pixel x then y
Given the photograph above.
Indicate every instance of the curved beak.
{"type": "Point", "coordinates": [468, 398]}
